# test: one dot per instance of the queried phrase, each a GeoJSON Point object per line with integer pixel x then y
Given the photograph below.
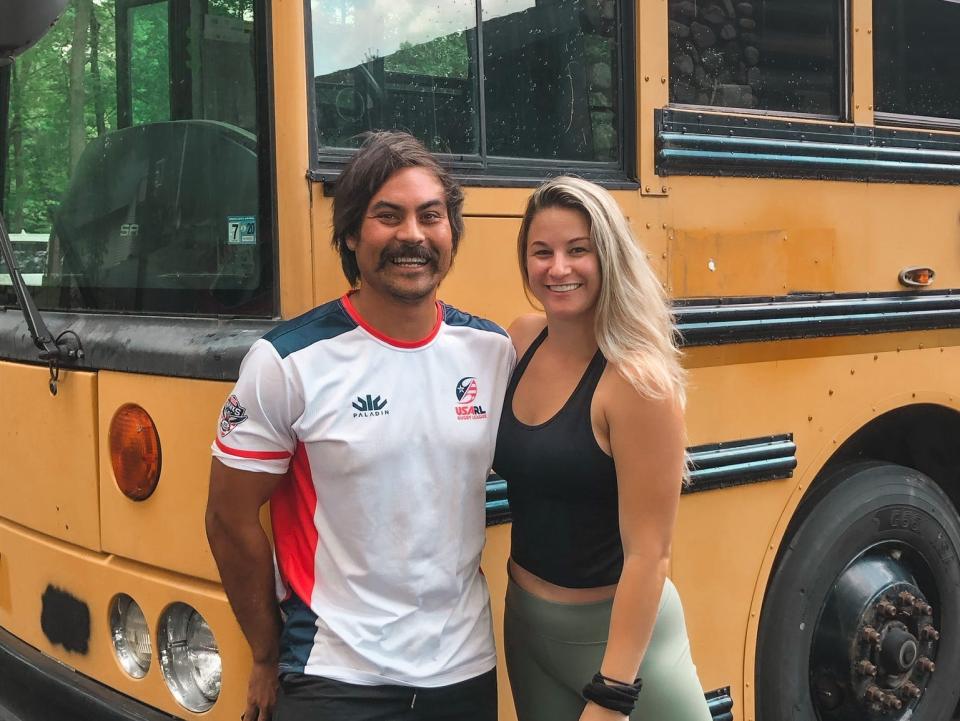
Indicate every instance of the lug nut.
{"type": "Point", "coordinates": [929, 633]}
{"type": "Point", "coordinates": [874, 694]}
{"type": "Point", "coordinates": [926, 665]}
{"type": "Point", "coordinates": [891, 701]}
{"type": "Point", "coordinates": [925, 608]}
{"type": "Point", "coordinates": [870, 634]}
{"type": "Point", "coordinates": [910, 690]}
{"type": "Point", "coordinates": [865, 668]}
{"type": "Point", "coordinates": [907, 598]}
{"type": "Point", "coordinates": [885, 608]}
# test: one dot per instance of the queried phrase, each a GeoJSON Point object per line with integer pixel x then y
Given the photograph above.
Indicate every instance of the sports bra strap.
{"type": "Point", "coordinates": [521, 367]}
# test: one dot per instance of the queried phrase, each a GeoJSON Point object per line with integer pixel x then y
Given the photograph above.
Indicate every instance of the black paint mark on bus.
{"type": "Point", "coordinates": [65, 620]}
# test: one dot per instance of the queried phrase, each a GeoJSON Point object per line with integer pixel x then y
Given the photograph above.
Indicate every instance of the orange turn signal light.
{"type": "Point", "coordinates": [134, 452]}
{"type": "Point", "coordinates": [917, 277]}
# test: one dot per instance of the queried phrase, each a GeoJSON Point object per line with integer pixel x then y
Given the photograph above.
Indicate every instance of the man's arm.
{"type": "Point", "coordinates": [244, 557]}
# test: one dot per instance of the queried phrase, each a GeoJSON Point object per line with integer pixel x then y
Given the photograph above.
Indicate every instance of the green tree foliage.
{"type": "Point", "coordinates": [64, 92]}
{"type": "Point", "coordinates": [443, 57]}
{"type": "Point", "coordinates": [149, 63]}
{"type": "Point", "coordinates": [38, 160]}
{"type": "Point", "coordinates": [235, 8]}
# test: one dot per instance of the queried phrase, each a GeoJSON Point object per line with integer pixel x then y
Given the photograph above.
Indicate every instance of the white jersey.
{"type": "Point", "coordinates": [379, 524]}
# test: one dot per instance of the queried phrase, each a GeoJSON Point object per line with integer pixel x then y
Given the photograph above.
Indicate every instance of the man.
{"type": "Point", "coordinates": [369, 423]}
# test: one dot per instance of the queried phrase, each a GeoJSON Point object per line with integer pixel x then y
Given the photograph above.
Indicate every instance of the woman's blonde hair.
{"type": "Point", "coordinates": [633, 324]}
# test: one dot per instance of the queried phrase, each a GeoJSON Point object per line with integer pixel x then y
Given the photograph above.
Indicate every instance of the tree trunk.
{"type": "Point", "coordinates": [78, 60]}
{"type": "Point", "coordinates": [15, 176]}
{"type": "Point", "coordinates": [95, 74]}
{"type": "Point", "coordinates": [11, 129]}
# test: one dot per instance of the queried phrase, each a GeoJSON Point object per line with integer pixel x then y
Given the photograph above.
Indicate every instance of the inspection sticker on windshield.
{"type": "Point", "coordinates": [241, 230]}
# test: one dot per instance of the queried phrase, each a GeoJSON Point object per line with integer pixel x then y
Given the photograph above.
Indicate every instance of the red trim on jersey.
{"type": "Point", "coordinates": [295, 535]}
{"type": "Point", "coordinates": [258, 455]}
{"type": "Point", "coordinates": [358, 319]}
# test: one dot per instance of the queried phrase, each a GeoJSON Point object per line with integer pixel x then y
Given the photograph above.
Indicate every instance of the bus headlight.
{"type": "Point", "coordinates": [131, 637]}
{"type": "Point", "coordinates": [189, 657]}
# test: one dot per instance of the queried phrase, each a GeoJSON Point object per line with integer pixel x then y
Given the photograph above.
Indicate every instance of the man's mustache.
{"type": "Point", "coordinates": [417, 251]}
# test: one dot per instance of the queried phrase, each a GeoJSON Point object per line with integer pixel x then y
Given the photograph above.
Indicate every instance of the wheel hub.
{"type": "Point", "coordinates": [874, 644]}
{"type": "Point", "coordinates": [899, 649]}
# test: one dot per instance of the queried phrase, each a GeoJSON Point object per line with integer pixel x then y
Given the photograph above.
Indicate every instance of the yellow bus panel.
{"type": "Point", "coordinates": [48, 453]}
{"type": "Point", "coordinates": [166, 529]}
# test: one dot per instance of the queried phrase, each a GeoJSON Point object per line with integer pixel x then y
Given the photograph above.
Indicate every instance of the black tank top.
{"type": "Point", "coordinates": [562, 488]}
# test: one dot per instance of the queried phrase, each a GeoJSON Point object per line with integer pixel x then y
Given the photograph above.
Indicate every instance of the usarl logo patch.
{"type": "Point", "coordinates": [233, 415]}
{"type": "Point", "coordinates": [368, 406]}
{"type": "Point", "coordinates": [467, 410]}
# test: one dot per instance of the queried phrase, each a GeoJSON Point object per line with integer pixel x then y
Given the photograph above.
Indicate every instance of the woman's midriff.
{"type": "Point", "coordinates": [535, 585]}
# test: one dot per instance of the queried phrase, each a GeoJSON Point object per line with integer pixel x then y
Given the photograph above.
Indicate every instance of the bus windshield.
{"type": "Point", "coordinates": [135, 188]}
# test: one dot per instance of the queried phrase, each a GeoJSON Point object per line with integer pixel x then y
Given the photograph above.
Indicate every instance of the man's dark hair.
{"type": "Point", "coordinates": [381, 155]}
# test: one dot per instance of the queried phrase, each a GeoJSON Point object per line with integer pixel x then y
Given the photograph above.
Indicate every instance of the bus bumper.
{"type": "Point", "coordinates": [34, 687]}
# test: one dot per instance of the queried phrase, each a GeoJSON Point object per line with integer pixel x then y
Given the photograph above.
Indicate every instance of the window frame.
{"type": "Point", "coordinates": [845, 85]}
{"type": "Point", "coordinates": [266, 165]}
{"type": "Point", "coordinates": [925, 122]}
{"type": "Point", "coordinates": [326, 163]}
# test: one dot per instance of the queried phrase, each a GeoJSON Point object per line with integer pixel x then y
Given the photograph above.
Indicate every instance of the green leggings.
{"type": "Point", "coordinates": [554, 649]}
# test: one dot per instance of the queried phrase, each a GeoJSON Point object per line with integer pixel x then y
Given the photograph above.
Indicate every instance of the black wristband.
{"type": "Point", "coordinates": [614, 695]}
{"type": "Point", "coordinates": [637, 682]}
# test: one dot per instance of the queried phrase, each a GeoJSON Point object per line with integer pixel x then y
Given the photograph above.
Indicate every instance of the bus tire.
{"type": "Point", "coordinates": [861, 618]}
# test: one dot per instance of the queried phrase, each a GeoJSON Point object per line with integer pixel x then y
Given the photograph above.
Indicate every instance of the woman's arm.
{"type": "Point", "coordinates": [646, 441]}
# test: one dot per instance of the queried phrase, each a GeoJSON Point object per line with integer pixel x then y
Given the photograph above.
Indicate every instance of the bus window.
{"type": "Point", "coordinates": [768, 55]}
{"type": "Point", "coordinates": [144, 173]}
{"type": "Point", "coordinates": [551, 71]}
{"type": "Point", "coordinates": [548, 74]}
{"type": "Point", "coordinates": [915, 58]}
{"type": "Point", "coordinates": [374, 68]}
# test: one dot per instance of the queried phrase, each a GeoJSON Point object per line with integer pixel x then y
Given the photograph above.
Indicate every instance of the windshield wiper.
{"type": "Point", "coordinates": [66, 347]}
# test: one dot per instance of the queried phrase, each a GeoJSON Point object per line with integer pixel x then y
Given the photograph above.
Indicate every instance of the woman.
{"type": "Point", "coordinates": [591, 444]}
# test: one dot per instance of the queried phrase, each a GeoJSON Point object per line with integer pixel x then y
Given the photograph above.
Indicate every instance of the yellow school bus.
{"type": "Point", "coordinates": [791, 167]}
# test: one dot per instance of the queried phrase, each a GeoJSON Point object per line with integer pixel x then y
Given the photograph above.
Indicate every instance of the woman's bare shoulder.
{"type": "Point", "coordinates": [619, 397]}
{"type": "Point", "coordinates": [525, 329]}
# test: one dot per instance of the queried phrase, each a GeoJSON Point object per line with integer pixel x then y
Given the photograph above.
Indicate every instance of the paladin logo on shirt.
{"type": "Point", "coordinates": [367, 406]}
{"type": "Point", "coordinates": [466, 395]}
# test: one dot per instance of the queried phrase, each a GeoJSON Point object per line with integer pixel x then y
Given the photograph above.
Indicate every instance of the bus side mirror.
{"type": "Point", "coordinates": [23, 23]}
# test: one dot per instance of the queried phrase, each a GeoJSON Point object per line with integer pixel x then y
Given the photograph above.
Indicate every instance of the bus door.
{"type": "Point", "coordinates": [142, 188]}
